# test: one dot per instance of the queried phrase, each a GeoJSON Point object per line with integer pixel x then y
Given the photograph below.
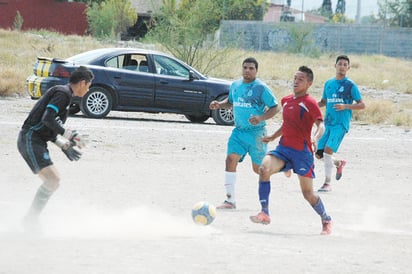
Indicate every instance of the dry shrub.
{"type": "Point", "coordinates": [376, 112]}
{"type": "Point", "coordinates": [403, 114]}
{"type": "Point", "coordinates": [8, 85]}
{"type": "Point", "coordinates": [21, 49]}
{"type": "Point", "coordinates": [402, 119]}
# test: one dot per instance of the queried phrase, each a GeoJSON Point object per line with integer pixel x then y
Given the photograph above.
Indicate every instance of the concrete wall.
{"type": "Point", "coordinates": [349, 39]}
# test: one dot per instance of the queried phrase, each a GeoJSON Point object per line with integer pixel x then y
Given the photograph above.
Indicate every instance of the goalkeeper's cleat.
{"type": "Point", "coordinates": [227, 205]}
{"type": "Point", "coordinates": [325, 188]}
{"type": "Point", "coordinates": [31, 224]}
{"type": "Point", "coordinates": [261, 218]}
{"type": "Point", "coordinates": [339, 169]}
{"type": "Point", "coordinates": [326, 227]}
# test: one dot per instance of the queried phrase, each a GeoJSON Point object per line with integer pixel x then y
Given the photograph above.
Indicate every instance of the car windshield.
{"type": "Point", "coordinates": [86, 57]}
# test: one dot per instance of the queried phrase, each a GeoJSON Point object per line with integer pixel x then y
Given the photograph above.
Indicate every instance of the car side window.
{"type": "Point", "coordinates": [167, 66]}
{"type": "Point", "coordinates": [136, 62]}
{"type": "Point", "coordinates": [115, 62]}
{"type": "Point", "coordinates": [133, 62]}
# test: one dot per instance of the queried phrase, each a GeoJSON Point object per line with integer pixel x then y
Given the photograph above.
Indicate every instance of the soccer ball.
{"type": "Point", "coordinates": [203, 213]}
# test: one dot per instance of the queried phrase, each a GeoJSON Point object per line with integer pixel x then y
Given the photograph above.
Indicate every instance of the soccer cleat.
{"type": "Point", "coordinates": [325, 188]}
{"type": "Point", "coordinates": [261, 218]}
{"type": "Point", "coordinates": [326, 227]}
{"type": "Point", "coordinates": [227, 205]}
{"type": "Point", "coordinates": [339, 169]}
{"type": "Point", "coordinates": [31, 224]}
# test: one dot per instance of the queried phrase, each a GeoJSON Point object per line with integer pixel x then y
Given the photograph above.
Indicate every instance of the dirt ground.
{"type": "Point", "coordinates": [125, 206]}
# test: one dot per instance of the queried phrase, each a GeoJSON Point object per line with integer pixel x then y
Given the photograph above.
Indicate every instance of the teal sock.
{"type": "Point", "coordinates": [264, 191]}
{"type": "Point", "coordinates": [320, 209]}
{"type": "Point", "coordinates": [40, 200]}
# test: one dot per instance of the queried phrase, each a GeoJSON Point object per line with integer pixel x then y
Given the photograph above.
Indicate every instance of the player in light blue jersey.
{"type": "Point", "coordinates": [253, 103]}
{"type": "Point", "coordinates": [339, 95]}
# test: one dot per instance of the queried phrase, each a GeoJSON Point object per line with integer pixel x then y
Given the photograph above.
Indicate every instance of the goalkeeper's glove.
{"type": "Point", "coordinates": [68, 148]}
{"type": "Point", "coordinates": [72, 153]}
{"type": "Point", "coordinates": [74, 137]}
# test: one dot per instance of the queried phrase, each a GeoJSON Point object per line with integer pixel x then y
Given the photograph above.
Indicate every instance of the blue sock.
{"type": "Point", "coordinates": [320, 209]}
{"type": "Point", "coordinates": [264, 191]}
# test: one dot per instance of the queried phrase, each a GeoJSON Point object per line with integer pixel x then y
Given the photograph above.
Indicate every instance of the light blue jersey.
{"type": "Point", "coordinates": [343, 91]}
{"type": "Point", "coordinates": [250, 99]}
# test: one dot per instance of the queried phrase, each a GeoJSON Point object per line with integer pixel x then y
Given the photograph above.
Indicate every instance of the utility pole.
{"type": "Point", "coordinates": [358, 12]}
{"type": "Point", "coordinates": [303, 13]}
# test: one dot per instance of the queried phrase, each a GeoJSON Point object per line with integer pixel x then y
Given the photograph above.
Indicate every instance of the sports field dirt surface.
{"type": "Point", "coordinates": [125, 206]}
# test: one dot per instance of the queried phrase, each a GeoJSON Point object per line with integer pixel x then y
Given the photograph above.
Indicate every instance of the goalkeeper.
{"type": "Point", "coordinates": [45, 123]}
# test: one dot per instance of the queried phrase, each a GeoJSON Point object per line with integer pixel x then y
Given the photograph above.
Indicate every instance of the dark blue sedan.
{"type": "Point", "coordinates": [140, 80]}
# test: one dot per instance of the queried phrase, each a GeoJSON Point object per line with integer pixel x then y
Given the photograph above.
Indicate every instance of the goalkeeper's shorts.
{"type": "Point", "coordinates": [34, 150]}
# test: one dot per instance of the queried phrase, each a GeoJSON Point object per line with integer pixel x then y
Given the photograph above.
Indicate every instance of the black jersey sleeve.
{"type": "Point", "coordinates": [52, 121]}
{"type": "Point", "coordinates": [51, 108]}
{"type": "Point", "coordinates": [56, 112]}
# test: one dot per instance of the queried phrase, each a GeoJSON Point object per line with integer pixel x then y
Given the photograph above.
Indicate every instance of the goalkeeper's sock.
{"type": "Point", "coordinates": [264, 191]}
{"type": "Point", "coordinates": [40, 200]}
{"type": "Point", "coordinates": [230, 181]}
{"type": "Point", "coordinates": [320, 209]}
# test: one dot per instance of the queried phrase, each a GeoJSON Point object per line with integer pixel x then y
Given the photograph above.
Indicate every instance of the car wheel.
{"type": "Point", "coordinates": [97, 103]}
{"type": "Point", "coordinates": [73, 109]}
{"type": "Point", "coordinates": [222, 116]}
{"type": "Point", "coordinates": [197, 118]}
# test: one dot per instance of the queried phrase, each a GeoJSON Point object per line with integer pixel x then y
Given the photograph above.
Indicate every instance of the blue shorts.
{"type": "Point", "coordinates": [34, 150]}
{"type": "Point", "coordinates": [242, 142]}
{"type": "Point", "coordinates": [301, 161]}
{"type": "Point", "coordinates": [332, 138]}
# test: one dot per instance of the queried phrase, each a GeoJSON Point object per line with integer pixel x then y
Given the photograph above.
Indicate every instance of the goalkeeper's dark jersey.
{"type": "Point", "coordinates": [58, 99]}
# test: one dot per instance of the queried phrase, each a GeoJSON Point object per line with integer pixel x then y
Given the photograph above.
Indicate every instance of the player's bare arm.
{"type": "Point", "coordinates": [254, 120]}
{"type": "Point", "coordinates": [222, 104]}
{"type": "Point", "coordinates": [320, 129]}
{"type": "Point", "coordinates": [272, 137]}
{"type": "Point", "coordinates": [322, 103]}
{"type": "Point", "coordinates": [358, 106]}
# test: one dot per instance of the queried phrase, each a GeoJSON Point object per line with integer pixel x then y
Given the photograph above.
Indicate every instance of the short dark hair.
{"type": "Point", "coordinates": [251, 60]}
{"type": "Point", "coordinates": [80, 74]}
{"type": "Point", "coordinates": [308, 71]}
{"type": "Point", "coordinates": [342, 57]}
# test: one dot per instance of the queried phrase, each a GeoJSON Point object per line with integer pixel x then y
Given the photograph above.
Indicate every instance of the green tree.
{"type": "Point", "coordinates": [18, 21]}
{"type": "Point", "coordinates": [396, 13]}
{"type": "Point", "coordinates": [326, 9]}
{"type": "Point", "coordinates": [341, 18]}
{"type": "Point", "coordinates": [86, 1]}
{"type": "Point", "coordinates": [184, 29]}
{"type": "Point", "coordinates": [111, 18]}
{"type": "Point", "coordinates": [301, 39]}
{"type": "Point", "coordinates": [187, 29]}
{"type": "Point", "coordinates": [243, 9]}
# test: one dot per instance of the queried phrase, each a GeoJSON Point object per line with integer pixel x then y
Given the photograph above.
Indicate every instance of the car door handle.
{"type": "Point", "coordinates": [117, 77]}
{"type": "Point", "coordinates": [164, 82]}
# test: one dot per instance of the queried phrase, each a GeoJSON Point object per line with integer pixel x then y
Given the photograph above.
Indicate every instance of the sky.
{"type": "Point", "coordinates": [368, 7]}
